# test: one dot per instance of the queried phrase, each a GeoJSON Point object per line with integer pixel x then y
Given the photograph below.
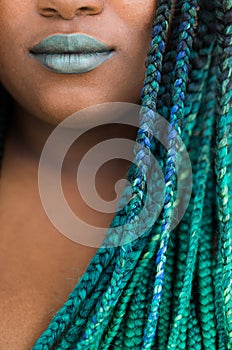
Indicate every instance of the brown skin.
{"type": "Point", "coordinates": [39, 266]}
{"type": "Point", "coordinates": [124, 25]}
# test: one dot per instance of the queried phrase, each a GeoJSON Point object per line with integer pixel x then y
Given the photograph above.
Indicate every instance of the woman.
{"type": "Point", "coordinates": [166, 289]}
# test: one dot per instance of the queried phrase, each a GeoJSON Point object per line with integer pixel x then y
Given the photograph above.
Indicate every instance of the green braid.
{"type": "Point", "coordinates": [194, 340]}
{"type": "Point", "coordinates": [178, 94]}
{"type": "Point", "coordinates": [223, 159]}
{"type": "Point", "coordinates": [205, 252]}
{"type": "Point", "coordinates": [178, 334]}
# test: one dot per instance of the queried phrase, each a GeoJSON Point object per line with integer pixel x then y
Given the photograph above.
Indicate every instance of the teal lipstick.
{"type": "Point", "coordinates": [71, 53]}
{"type": "Point", "coordinates": [71, 63]}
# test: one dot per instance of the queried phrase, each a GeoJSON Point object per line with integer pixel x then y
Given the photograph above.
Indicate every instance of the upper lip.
{"type": "Point", "coordinates": [69, 43]}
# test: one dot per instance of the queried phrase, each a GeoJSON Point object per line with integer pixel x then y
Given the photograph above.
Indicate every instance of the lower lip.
{"type": "Point", "coordinates": [72, 63]}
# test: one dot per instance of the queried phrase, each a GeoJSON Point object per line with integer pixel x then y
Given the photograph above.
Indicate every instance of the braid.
{"type": "Point", "coordinates": [205, 251]}
{"type": "Point", "coordinates": [165, 310]}
{"type": "Point", "coordinates": [223, 158]}
{"type": "Point", "coordinates": [169, 288]}
{"type": "Point", "coordinates": [179, 90]}
{"type": "Point", "coordinates": [194, 341]}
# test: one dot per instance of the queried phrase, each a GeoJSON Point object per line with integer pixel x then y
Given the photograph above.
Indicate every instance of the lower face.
{"type": "Point", "coordinates": [124, 25]}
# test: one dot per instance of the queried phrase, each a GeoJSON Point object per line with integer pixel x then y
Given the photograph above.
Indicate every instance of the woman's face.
{"type": "Point", "coordinates": [124, 25]}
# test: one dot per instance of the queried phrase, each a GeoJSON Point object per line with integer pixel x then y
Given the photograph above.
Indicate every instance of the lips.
{"type": "Point", "coordinates": [71, 53]}
{"type": "Point", "coordinates": [70, 43]}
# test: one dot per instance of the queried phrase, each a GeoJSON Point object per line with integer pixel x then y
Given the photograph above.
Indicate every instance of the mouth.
{"type": "Point", "coordinates": [71, 53]}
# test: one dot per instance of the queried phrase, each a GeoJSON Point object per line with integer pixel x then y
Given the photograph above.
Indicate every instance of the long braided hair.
{"type": "Point", "coordinates": [168, 289]}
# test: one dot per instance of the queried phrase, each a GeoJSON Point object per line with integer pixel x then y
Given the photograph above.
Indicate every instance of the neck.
{"type": "Point", "coordinates": [25, 143]}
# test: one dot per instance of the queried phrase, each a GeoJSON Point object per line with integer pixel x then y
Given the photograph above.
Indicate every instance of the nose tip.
{"type": "Point", "coordinates": [68, 9]}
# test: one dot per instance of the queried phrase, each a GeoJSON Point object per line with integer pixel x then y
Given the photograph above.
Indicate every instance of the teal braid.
{"type": "Point", "coordinates": [179, 90]}
{"type": "Point", "coordinates": [200, 61]}
{"type": "Point", "coordinates": [194, 341]}
{"type": "Point", "coordinates": [200, 58]}
{"type": "Point", "coordinates": [108, 302]}
{"type": "Point", "coordinates": [121, 312]}
{"type": "Point", "coordinates": [155, 55]}
{"type": "Point", "coordinates": [201, 168]}
{"type": "Point", "coordinates": [140, 300]}
{"type": "Point", "coordinates": [165, 309]}
{"type": "Point", "coordinates": [205, 260]}
{"type": "Point", "coordinates": [223, 157]}
{"type": "Point", "coordinates": [219, 304]}
{"type": "Point", "coordinates": [151, 87]}
{"type": "Point", "coordinates": [207, 106]}
{"type": "Point", "coordinates": [205, 282]}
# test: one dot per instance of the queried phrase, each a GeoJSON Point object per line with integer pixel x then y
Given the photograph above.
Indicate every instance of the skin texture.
{"type": "Point", "coordinates": [50, 96]}
{"type": "Point", "coordinates": [42, 266]}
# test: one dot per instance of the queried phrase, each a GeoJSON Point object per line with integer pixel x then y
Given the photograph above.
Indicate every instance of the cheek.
{"type": "Point", "coordinates": [137, 17]}
{"type": "Point", "coordinates": [12, 40]}
{"type": "Point", "coordinates": [138, 14]}
{"type": "Point", "coordinates": [14, 18]}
